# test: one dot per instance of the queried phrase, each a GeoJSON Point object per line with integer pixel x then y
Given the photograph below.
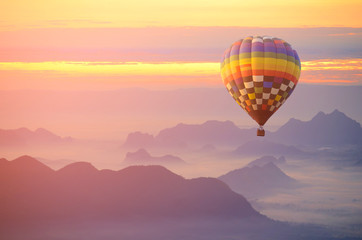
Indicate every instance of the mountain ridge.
{"type": "Point", "coordinates": [25, 137]}
{"type": "Point", "coordinates": [81, 191]}
{"type": "Point", "coordinates": [254, 181]}
{"type": "Point", "coordinates": [142, 157]}
{"type": "Point", "coordinates": [334, 128]}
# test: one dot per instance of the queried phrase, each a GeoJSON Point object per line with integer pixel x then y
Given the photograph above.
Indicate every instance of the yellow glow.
{"type": "Point", "coordinates": [127, 68]}
{"type": "Point", "coordinates": [141, 13]}
{"type": "Point", "coordinates": [332, 64]}
{"type": "Point", "coordinates": [160, 69]}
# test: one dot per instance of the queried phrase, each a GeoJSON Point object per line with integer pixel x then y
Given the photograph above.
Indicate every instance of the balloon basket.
{"type": "Point", "coordinates": [260, 132]}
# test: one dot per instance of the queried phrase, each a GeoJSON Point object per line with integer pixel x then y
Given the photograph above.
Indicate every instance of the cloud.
{"type": "Point", "coordinates": [333, 64]}
{"type": "Point", "coordinates": [165, 44]}
{"type": "Point", "coordinates": [345, 34]}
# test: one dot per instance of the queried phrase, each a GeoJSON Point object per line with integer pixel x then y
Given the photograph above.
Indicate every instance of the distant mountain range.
{"type": "Point", "coordinates": [323, 129]}
{"type": "Point", "coordinates": [25, 137]}
{"type": "Point", "coordinates": [259, 178]}
{"type": "Point", "coordinates": [183, 135]}
{"type": "Point", "coordinates": [138, 202]}
{"type": "Point", "coordinates": [210, 132]}
{"type": "Point", "coordinates": [34, 192]}
{"type": "Point", "coordinates": [186, 104]}
{"type": "Point", "coordinates": [267, 159]}
{"type": "Point", "coordinates": [142, 157]}
{"type": "Point", "coordinates": [332, 129]}
{"type": "Point", "coordinates": [139, 140]}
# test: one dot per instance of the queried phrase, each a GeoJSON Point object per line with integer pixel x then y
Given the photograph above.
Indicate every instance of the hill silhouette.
{"type": "Point", "coordinates": [257, 180]}
{"type": "Point", "coordinates": [142, 157]}
{"type": "Point", "coordinates": [267, 159]}
{"type": "Point", "coordinates": [323, 129]}
{"type": "Point", "coordinates": [138, 202]}
{"type": "Point", "coordinates": [80, 191]}
{"type": "Point", "coordinates": [139, 140]}
{"type": "Point", "coordinates": [210, 132]}
{"type": "Point", "coordinates": [183, 135]}
{"type": "Point", "coordinates": [23, 137]}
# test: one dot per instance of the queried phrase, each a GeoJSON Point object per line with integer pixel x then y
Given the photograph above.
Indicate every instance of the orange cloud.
{"type": "Point", "coordinates": [143, 13]}
{"type": "Point", "coordinates": [344, 34]}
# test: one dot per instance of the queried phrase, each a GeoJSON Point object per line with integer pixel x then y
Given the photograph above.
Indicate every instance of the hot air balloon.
{"type": "Point", "coordinates": [260, 73]}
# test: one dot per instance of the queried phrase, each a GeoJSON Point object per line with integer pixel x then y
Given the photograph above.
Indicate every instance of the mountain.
{"type": "Point", "coordinates": [194, 105]}
{"type": "Point", "coordinates": [23, 167]}
{"type": "Point", "coordinates": [255, 181]}
{"type": "Point", "coordinates": [263, 147]}
{"type": "Point", "coordinates": [142, 157]}
{"type": "Point", "coordinates": [211, 132]}
{"type": "Point", "coordinates": [323, 129]}
{"type": "Point", "coordinates": [24, 137]}
{"type": "Point", "coordinates": [267, 159]}
{"type": "Point", "coordinates": [139, 140]}
{"type": "Point", "coordinates": [80, 191]}
{"type": "Point", "coordinates": [138, 202]}
{"type": "Point", "coordinates": [224, 133]}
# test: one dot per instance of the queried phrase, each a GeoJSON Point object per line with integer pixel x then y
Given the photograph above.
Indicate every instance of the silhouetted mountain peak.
{"type": "Point", "coordinates": [337, 112]}
{"type": "Point", "coordinates": [334, 128]}
{"type": "Point", "coordinates": [139, 139]}
{"type": "Point", "coordinates": [291, 123]}
{"type": "Point", "coordinates": [265, 160]}
{"type": "Point", "coordinates": [44, 132]}
{"type": "Point", "coordinates": [139, 154]}
{"type": "Point", "coordinates": [142, 157]}
{"type": "Point", "coordinates": [21, 130]}
{"type": "Point", "coordinates": [78, 168]}
{"type": "Point", "coordinates": [146, 192]}
{"type": "Point", "coordinates": [253, 181]}
{"type": "Point", "coordinates": [319, 115]}
{"type": "Point", "coordinates": [270, 166]}
{"type": "Point", "coordinates": [210, 132]}
{"type": "Point", "coordinates": [216, 124]}
{"type": "Point", "coordinates": [333, 116]}
{"type": "Point", "coordinates": [28, 162]}
{"type": "Point", "coordinates": [24, 136]}
{"type": "Point", "coordinates": [24, 166]}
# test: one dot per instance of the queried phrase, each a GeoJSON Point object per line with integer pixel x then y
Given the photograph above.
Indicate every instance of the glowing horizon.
{"type": "Point", "coordinates": [110, 44]}
{"type": "Point", "coordinates": [180, 74]}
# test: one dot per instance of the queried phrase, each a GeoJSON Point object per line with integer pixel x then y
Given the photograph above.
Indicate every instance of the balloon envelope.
{"type": "Point", "coordinates": [260, 73]}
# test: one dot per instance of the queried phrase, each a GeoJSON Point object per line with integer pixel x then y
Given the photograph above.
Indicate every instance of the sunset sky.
{"type": "Point", "coordinates": [104, 45]}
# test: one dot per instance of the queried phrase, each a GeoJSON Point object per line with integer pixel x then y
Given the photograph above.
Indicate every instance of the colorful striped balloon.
{"type": "Point", "coordinates": [260, 73]}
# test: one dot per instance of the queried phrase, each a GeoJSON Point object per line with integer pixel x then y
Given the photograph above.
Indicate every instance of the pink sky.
{"type": "Point", "coordinates": [159, 57]}
{"type": "Point", "coordinates": [76, 45]}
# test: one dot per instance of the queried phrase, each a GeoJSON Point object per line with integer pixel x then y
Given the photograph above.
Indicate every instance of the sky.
{"type": "Point", "coordinates": [93, 46]}
{"type": "Point", "coordinates": [106, 45]}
